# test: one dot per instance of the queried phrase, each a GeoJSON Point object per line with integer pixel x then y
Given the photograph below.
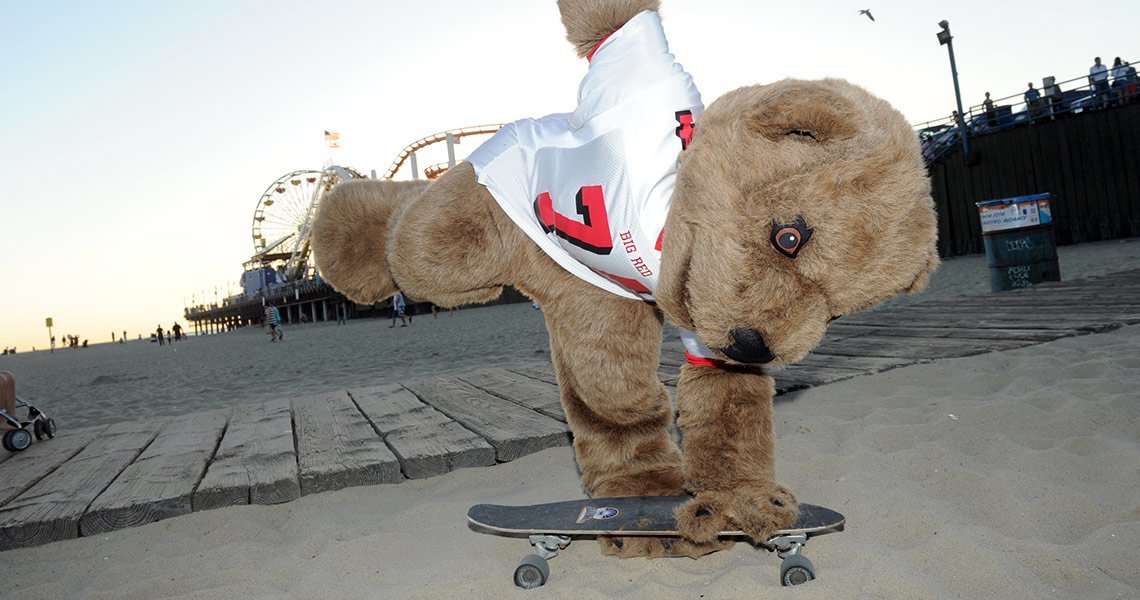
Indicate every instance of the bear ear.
{"type": "Point", "coordinates": [805, 112]}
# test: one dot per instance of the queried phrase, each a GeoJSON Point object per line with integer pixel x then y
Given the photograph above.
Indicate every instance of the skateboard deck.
{"type": "Point", "coordinates": [551, 527]}
{"type": "Point", "coordinates": [649, 515]}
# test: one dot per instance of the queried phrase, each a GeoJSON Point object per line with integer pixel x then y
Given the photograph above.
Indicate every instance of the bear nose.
{"type": "Point", "coordinates": [748, 347]}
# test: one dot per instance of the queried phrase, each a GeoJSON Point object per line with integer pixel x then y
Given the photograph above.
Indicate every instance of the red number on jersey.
{"type": "Point", "coordinates": [592, 233]}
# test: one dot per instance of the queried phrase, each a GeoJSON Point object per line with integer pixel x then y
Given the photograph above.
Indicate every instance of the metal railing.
{"type": "Point", "coordinates": [1056, 99]}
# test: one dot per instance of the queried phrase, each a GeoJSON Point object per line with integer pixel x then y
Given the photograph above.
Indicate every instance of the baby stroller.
{"type": "Point", "coordinates": [20, 437]}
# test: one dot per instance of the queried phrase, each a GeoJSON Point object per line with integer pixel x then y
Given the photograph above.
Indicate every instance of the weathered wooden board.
{"type": "Point", "coordinates": [513, 430]}
{"type": "Point", "coordinates": [915, 347]}
{"type": "Point", "coordinates": [790, 379]}
{"type": "Point", "coordinates": [542, 371]}
{"type": "Point", "coordinates": [861, 364]}
{"type": "Point", "coordinates": [531, 393]}
{"type": "Point", "coordinates": [51, 509]}
{"type": "Point", "coordinates": [337, 447]}
{"type": "Point", "coordinates": [426, 441]}
{"type": "Point", "coordinates": [256, 462]}
{"type": "Point", "coordinates": [44, 456]}
{"type": "Point", "coordinates": [1073, 312]}
{"type": "Point", "coordinates": [1096, 298]}
{"type": "Point", "coordinates": [672, 347]}
{"type": "Point", "coordinates": [160, 483]}
{"type": "Point", "coordinates": [985, 322]}
{"type": "Point", "coordinates": [962, 332]}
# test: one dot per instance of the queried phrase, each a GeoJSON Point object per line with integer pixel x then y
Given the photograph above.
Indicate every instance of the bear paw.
{"type": "Point", "coordinates": [758, 511]}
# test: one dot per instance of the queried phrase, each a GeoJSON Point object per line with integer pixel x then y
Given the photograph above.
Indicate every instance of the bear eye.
{"type": "Point", "coordinates": [789, 238]}
{"type": "Point", "coordinates": [801, 134]}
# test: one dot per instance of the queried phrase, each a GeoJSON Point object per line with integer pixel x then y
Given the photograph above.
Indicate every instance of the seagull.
{"type": "Point", "coordinates": [866, 11]}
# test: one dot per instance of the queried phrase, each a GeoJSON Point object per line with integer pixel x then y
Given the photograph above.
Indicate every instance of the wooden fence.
{"type": "Point", "coordinates": [1089, 162]}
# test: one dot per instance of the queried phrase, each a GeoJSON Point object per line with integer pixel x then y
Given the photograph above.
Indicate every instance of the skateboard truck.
{"type": "Point", "coordinates": [796, 568]}
{"type": "Point", "coordinates": [533, 570]}
{"type": "Point", "coordinates": [547, 546]}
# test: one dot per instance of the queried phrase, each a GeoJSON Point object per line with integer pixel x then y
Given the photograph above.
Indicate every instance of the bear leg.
{"type": "Point", "coordinates": [729, 454]}
{"type": "Point", "coordinates": [350, 235]}
{"type": "Point", "coordinates": [606, 350]}
{"type": "Point", "coordinates": [454, 245]}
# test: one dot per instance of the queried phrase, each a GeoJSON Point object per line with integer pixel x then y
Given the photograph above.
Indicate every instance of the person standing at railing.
{"type": "Point", "coordinates": [1129, 82]}
{"type": "Point", "coordinates": [1098, 82]}
{"type": "Point", "coordinates": [1119, 81]}
{"type": "Point", "coordinates": [1033, 103]}
{"type": "Point", "coordinates": [991, 116]}
{"type": "Point", "coordinates": [1054, 98]}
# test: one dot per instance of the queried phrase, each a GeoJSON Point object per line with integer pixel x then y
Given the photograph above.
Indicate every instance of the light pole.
{"type": "Point", "coordinates": [945, 39]}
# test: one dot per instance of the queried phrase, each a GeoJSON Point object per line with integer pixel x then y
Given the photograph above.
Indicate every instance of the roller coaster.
{"type": "Point", "coordinates": [451, 137]}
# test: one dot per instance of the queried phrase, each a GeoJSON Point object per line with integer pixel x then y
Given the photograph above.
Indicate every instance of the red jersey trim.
{"type": "Point", "coordinates": [590, 56]}
{"type": "Point", "coordinates": [698, 361]}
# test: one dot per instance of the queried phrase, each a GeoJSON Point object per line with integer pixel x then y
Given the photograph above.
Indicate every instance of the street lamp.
{"type": "Point", "coordinates": [945, 39]}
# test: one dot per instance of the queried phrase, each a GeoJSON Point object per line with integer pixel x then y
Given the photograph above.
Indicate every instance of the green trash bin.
{"type": "Point", "coordinates": [1018, 235]}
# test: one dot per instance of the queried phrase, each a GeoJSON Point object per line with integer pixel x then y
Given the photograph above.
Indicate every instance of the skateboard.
{"type": "Point", "coordinates": [550, 528]}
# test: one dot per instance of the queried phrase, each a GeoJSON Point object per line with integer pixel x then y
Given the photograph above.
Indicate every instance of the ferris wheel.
{"type": "Point", "coordinates": [284, 212]}
{"type": "Point", "coordinates": [281, 211]}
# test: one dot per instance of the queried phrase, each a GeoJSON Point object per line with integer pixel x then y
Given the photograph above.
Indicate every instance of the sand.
{"type": "Point", "coordinates": [1008, 475]}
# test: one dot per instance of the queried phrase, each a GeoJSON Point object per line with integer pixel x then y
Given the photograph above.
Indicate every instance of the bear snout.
{"type": "Point", "coordinates": [748, 346]}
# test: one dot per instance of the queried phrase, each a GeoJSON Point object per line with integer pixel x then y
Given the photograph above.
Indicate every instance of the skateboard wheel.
{"type": "Point", "coordinates": [532, 572]}
{"type": "Point", "coordinates": [16, 440]}
{"type": "Point", "coordinates": [796, 570]}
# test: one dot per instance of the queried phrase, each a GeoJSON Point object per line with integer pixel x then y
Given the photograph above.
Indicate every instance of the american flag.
{"type": "Point", "coordinates": [332, 138]}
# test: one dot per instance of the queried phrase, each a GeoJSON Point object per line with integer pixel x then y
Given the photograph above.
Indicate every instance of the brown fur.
{"type": "Point", "coordinates": [824, 151]}
{"type": "Point", "coordinates": [351, 254]}
{"type": "Point", "coordinates": [588, 22]}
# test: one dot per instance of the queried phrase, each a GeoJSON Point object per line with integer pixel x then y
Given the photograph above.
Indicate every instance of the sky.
{"type": "Point", "coordinates": [136, 138]}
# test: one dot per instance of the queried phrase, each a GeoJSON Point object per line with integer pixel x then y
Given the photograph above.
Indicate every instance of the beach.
{"type": "Point", "coordinates": [107, 382]}
{"type": "Point", "coordinates": [1012, 474]}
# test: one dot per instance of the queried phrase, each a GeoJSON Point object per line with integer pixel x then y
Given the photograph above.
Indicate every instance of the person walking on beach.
{"type": "Point", "coordinates": [341, 309]}
{"type": "Point", "coordinates": [159, 331]}
{"type": "Point", "coordinates": [398, 307]}
{"type": "Point", "coordinates": [273, 320]}
{"type": "Point", "coordinates": [177, 332]}
{"type": "Point", "coordinates": [124, 338]}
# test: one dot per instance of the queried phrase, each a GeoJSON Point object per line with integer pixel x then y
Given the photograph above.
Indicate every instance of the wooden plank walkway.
{"type": "Point", "coordinates": [255, 463]}
{"type": "Point", "coordinates": [92, 480]}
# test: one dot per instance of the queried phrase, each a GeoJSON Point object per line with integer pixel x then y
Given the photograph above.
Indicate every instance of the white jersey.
{"type": "Point", "coordinates": [592, 188]}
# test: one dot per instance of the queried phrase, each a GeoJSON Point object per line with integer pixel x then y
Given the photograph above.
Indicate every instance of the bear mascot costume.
{"type": "Point", "coordinates": [749, 225]}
